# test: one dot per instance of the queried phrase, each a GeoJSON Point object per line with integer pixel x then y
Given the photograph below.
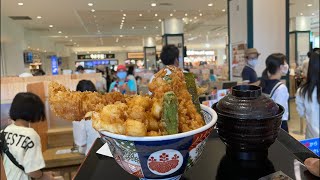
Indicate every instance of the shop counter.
{"type": "Point", "coordinates": [285, 155]}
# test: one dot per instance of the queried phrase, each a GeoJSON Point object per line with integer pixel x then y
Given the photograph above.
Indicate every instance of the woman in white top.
{"type": "Point", "coordinates": [276, 67]}
{"type": "Point", "coordinates": [23, 142]}
{"type": "Point", "coordinates": [308, 98]}
{"type": "Point", "coordinates": [83, 133]}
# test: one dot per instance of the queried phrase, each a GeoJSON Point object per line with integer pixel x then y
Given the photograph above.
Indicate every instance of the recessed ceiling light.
{"type": "Point", "coordinates": [94, 16]}
{"type": "Point", "coordinates": [50, 26]}
{"type": "Point", "coordinates": [124, 15]}
{"type": "Point", "coordinates": [186, 14]}
{"type": "Point", "coordinates": [90, 4]}
{"type": "Point", "coordinates": [45, 50]}
{"type": "Point", "coordinates": [75, 43]}
{"type": "Point", "coordinates": [145, 27]}
{"type": "Point", "coordinates": [190, 20]}
{"type": "Point", "coordinates": [196, 17]}
{"type": "Point", "coordinates": [171, 14]}
{"type": "Point", "coordinates": [38, 49]}
{"type": "Point", "coordinates": [39, 17]}
{"type": "Point", "coordinates": [59, 32]}
{"type": "Point", "coordinates": [160, 20]}
{"type": "Point", "coordinates": [20, 4]}
{"type": "Point", "coordinates": [223, 10]}
{"type": "Point", "coordinates": [66, 37]}
{"type": "Point", "coordinates": [70, 40]}
{"type": "Point", "coordinates": [122, 20]}
{"type": "Point", "coordinates": [153, 4]}
{"type": "Point", "coordinates": [132, 27]}
{"type": "Point", "coordinates": [92, 10]}
{"type": "Point", "coordinates": [309, 5]}
{"type": "Point", "coordinates": [312, 14]}
{"type": "Point", "coordinates": [120, 27]}
{"type": "Point", "coordinates": [200, 14]}
{"type": "Point", "coordinates": [157, 27]}
{"type": "Point", "coordinates": [210, 4]}
{"type": "Point", "coordinates": [156, 14]}
{"type": "Point", "coordinates": [121, 35]}
{"type": "Point", "coordinates": [140, 14]}
{"type": "Point", "coordinates": [301, 14]}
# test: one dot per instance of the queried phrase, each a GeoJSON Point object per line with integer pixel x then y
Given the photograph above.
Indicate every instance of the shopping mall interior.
{"type": "Point", "coordinates": [48, 40]}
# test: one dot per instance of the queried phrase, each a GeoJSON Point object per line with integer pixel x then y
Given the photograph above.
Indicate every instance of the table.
{"type": "Point", "coordinates": [284, 155]}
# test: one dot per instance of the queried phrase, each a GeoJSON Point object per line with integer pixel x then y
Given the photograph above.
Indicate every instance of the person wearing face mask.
{"type": "Point", "coordinates": [249, 75]}
{"type": "Point", "coordinates": [276, 67]}
{"type": "Point", "coordinates": [123, 84]}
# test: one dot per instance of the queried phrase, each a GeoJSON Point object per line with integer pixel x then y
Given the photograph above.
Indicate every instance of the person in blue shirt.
{"type": "Point", "coordinates": [123, 84]}
{"type": "Point", "coordinates": [249, 75]}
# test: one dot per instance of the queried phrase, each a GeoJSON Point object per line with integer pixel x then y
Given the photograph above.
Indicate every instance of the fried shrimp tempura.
{"type": "Point", "coordinates": [73, 105]}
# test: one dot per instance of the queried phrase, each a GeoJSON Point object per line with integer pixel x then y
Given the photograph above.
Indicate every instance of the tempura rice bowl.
{"type": "Point", "coordinates": [160, 157]}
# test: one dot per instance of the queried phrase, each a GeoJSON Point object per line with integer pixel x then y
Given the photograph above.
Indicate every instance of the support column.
{"type": "Point", "coordinates": [253, 25]}
{"type": "Point", "coordinates": [172, 33]}
{"type": "Point", "coordinates": [150, 52]}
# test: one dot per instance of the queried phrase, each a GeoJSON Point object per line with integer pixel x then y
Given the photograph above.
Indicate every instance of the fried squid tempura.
{"type": "Point", "coordinates": [73, 105]}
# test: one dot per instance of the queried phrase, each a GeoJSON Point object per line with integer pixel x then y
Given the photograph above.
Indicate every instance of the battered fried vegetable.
{"type": "Point", "coordinates": [192, 88]}
{"type": "Point", "coordinates": [170, 113]}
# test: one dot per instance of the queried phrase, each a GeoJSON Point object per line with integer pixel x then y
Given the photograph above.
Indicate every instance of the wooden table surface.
{"type": "Point", "coordinates": [54, 160]}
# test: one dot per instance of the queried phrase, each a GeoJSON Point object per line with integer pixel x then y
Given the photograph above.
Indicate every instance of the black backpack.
{"type": "Point", "coordinates": [5, 149]}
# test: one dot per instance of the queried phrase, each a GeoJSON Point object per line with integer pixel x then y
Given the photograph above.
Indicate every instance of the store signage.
{"type": "Point", "coordinates": [96, 56]}
{"type": "Point", "coordinates": [54, 65]}
{"type": "Point", "coordinates": [137, 55]}
{"type": "Point", "coordinates": [312, 144]}
{"type": "Point", "coordinates": [200, 53]}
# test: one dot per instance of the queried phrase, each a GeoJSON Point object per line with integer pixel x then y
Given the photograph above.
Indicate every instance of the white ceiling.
{"type": "Point", "coordinates": [102, 27]}
{"type": "Point", "coordinates": [76, 21]}
{"type": "Point", "coordinates": [304, 8]}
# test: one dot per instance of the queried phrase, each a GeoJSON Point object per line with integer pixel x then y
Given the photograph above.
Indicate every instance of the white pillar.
{"type": "Point", "coordinates": [172, 26]}
{"type": "Point", "coordinates": [149, 42]}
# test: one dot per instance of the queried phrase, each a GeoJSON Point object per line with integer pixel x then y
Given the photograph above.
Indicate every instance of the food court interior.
{"type": "Point", "coordinates": [46, 40]}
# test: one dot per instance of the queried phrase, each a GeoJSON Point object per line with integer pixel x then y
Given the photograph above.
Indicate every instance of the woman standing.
{"type": "Point", "coordinates": [308, 97]}
{"type": "Point", "coordinates": [276, 67]}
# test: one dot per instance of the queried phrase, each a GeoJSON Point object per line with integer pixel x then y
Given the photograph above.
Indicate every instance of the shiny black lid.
{"type": "Point", "coordinates": [247, 102]}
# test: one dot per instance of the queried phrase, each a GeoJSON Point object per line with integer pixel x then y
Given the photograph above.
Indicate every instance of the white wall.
{"type": "Point", "coordinates": [269, 29]}
{"type": "Point", "coordinates": [12, 42]}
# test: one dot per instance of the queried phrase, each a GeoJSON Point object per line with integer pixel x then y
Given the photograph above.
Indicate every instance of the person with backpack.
{"type": "Point", "coordinates": [123, 84]}
{"type": "Point", "coordinates": [276, 67]}
{"type": "Point", "coordinates": [20, 144]}
{"type": "Point", "coordinates": [308, 98]}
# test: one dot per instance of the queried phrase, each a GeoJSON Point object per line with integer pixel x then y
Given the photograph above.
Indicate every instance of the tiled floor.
{"type": "Point", "coordinates": [294, 123]}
